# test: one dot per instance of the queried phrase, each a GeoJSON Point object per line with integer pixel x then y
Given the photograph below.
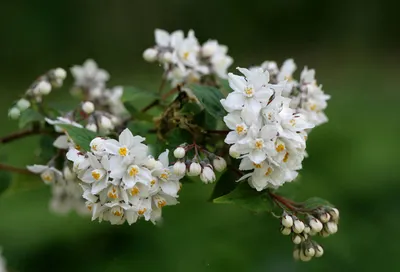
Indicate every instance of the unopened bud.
{"type": "Point", "coordinates": [296, 239]}
{"type": "Point", "coordinates": [150, 54]}
{"type": "Point", "coordinates": [234, 152]}
{"type": "Point", "coordinates": [287, 221]}
{"type": "Point", "coordinates": [105, 123]}
{"type": "Point", "coordinates": [307, 229]}
{"type": "Point", "coordinates": [296, 254]}
{"type": "Point", "coordinates": [334, 214]}
{"type": "Point", "coordinates": [304, 257]}
{"type": "Point", "coordinates": [88, 107]}
{"type": "Point", "coordinates": [315, 225]}
{"type": "Point", "coordinates": [286, 231]}
{"type": "Point", "coordinates": [23, 104]}
{"type": "Point", "coordinates": [179, 168]}
{"type": "Point", "coordinates": [167, 57]}
{"type": "Point", "coordinates": [325, 217]}
{"type": "Point", "coordinates": [324, 233]}
{"type": "Point", "coordinates": [298, 226]}
{"type": "Point", "coordinates": [150, 163]}
{"type": "Point", "coordinates": [207, 175]}
{"type": "Point", "coordinates": [309, 252]}
{"type": "Point", "coordinates": [44, 87]}
{"type": "Point", "coordinates": [179, 152]}
{"type": "Point", "coordinates": [319, 251]}
{"type": "Point", "coordinates": [91, 127]}
{"type": "Point", "coordinates": [68, 174]}
{"type": "Point", "coordinates": [14, 113]}
{"type": "Point", "coordinates": [194, 169]}
{"type": "Point", "coordinates": [219, 164]}
{"type": "Point", "coordinates": [60, 73]}
{"type": "Point", "coordinates": [209, 48]}
{"type": "Point", "coordinates": [331, 227]}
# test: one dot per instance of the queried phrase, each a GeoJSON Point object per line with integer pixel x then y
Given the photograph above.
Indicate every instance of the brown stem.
{"type": "Point", "coordinates": [20, 134]}
{"type": "Point", "coordinates": [152, 104]}
{"type": "Point", "coordinates": [14, 169]}
{"type": "Point", "coordinates": [286, 202]}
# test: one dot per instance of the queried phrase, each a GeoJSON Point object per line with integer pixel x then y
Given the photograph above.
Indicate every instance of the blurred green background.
{"type": "Point", "coordinates": [353, 159]}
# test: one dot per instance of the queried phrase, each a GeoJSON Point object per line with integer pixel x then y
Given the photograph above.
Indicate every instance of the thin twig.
{"type": "Point", "coordinates": [152, 104]}
{"type": "Point", "coordinates": [14, 169]}
{"type": "Point", "coordinates": [221, 132]}
{"type": "Point", "coordinates": [20, 134]}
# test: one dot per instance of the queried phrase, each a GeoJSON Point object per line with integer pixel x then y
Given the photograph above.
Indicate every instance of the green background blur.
{"type": "Point", "coordinates": [353, 160]}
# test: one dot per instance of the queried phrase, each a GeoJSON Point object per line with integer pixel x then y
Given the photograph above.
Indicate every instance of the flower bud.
{"type": "Point", "coordinates": [97, 146]}
{"type": "Point", "coordinates": [298, 226]}
{"type": "Point", "coordinates": [23, 104]}
{"type": "Point", "coordinates": [331, 227]}
{"type": "Point", "coordinates": [150, 54]}
{"type": "Point", "coordinates": [296, 239]}
{"type": "Point", "coordinates": [296, 254]}
{"type": "Point", "coordinates": [68, 174]}
{"type": "Point", "coordinates": [334, 214]}
{"type": "Point", "coordinates": [91, 127]}
{"type": "Point", "coordinates": [324, 233]}
{"type": "Point", "coordinates": [286, 231]}
{"type": "Point", "coordinates": [14, 113]}
{"type": "Point", "coordinates": [88, 107]}
{"type": "Point", "coordinates": [234, 152]}
{"type": "Point", "coordinates": [167, 57]}
{"type": "Point", "coordinates": [315, 225]}
{"type": "Point", "coordinates": [60, 73]}
{"type": "Point", "coordinates": [325, 217]}
{"type": "Point", "coordinates": [309, 252]}
{"type": "Point", "coordinates": [194, 169]}
{"type": "Point", "coordinates": [207, 175]}
{"type": "Point", "coordinates": [150, 163]}
{"type": "Point", "coordinates": [303, 257]}
{"type": "Point", "coordinates": [158, 165]}
{"type": "Point", "coordinates": [209, 48]}
{"type": "Point", "coordinates": [179, 168]}
{"type": "Point", "coordinates": [105, 123]}
{"type": "Point", "coordinates": [219, 164]}
{"type": "Point", "coordinates": [319, 251]}
{"type": "Point", "coordinates": [44, 87]}
{"type": "Point", "coordinates": [307, 229]}
{"type": "Point", "coordinates": [179, 152]}
{"type": "Point", "coordinates": [287, 221]}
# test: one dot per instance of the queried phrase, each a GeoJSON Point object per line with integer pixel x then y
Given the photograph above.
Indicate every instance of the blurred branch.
{"type": "Point", "coordinates": [14, 169]}
{"type": "Point", "coordinates": [21, 134]}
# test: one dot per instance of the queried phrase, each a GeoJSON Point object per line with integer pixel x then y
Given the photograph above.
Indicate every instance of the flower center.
{"type": "Point", "coordinates": [134, 191]}
{"type": "Point", "coordinates": [186, 55]}
{"type": "Point", "coordinates": [313, 107]}
{"type": "Point", "coordinates": [123, 151]}
{"type": "Point", "coordinates": [142, 211]}
{"type": "Point", "coordinates": [117, 212]}
{"type": "Point", "coordinates": [249, 91]}
{"type": "Point", "coordinates": [285, 159]}
{"type": "Point", "coordinates": [240, 129]}
{"type": "Point", "coordinates": [133, 171]}
{"type": "Point", "coordinates": [164, 175]}
{"type": "Point", "coordinates": [269, 171]}
{"type": "Point", "coordinates": [161, 203]}
{"type": "Point", "coordinates": [47, 177]}
{"type": "Point", "coordinates": [113, 193]}
{"type": "Point", "coordinates": [96, 174]}
{"type": "Point", "coordinates": [292, 122]}
{"type": "Point", "coordinates": [259, 144]}
{"type": "Point", "coordinates": [153, 182]}
{"type": "Point", "coordinates": [94, 147]}
{"type": "Point", "coordinates": [280, 147]}
{"type": "Point", "coordinates": [257, 165]}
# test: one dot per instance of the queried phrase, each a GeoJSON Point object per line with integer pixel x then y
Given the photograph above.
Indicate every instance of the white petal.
{"type": "Point", "coordinates": [37, 168]}
{"type": "Point", "coordinates": [162, 37]}
{"type": "Point", "coordinates": [61, 142]}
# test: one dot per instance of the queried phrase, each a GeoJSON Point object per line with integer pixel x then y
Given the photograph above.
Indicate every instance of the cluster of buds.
{"type": "Point", "coordinates": [322, 221]}
{"type": "Point", "coordinates": [39, 88]}
{"type": "Point", "coordinates": [202, 163]}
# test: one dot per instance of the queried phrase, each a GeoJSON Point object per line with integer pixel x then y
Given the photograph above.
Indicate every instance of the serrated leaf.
{"type": "Point", "coordinates": [225, 184]}
{"type": "Point", "coordinates": [245, 196]}
{"type": "Point", "coordinates": [80, 136]}
{"type": "Point", "coordinates": [5, 181]}
{"type": "Point", "coordinates": [315, 202]}
{"type": "Point", "coordinates": [29, 116]}
{"type": "Point", "coordinates": [210, 98]}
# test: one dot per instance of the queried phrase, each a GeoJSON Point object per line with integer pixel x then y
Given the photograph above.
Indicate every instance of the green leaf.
{"type": "Point", "coordinates": [191, 109]}
{"type": "Point", "coordinates": [225, 184]}
{"type": "Point", "coordinates": [47, 150]}
{"type": "Point", "coordinates": [245, 196]}
{"type": "Point", "coordinates": [225, 85]}
{"type": "Point", "coordinates": [29, 116]}
{"type": "Point", "coordinates": [135, 99]}
{"type": "Point", "coordinates": [210, 98]}
{"type": "Point", "coordinates": [80, 136]}
{"type": "Point", "coordinates": [315, 203]}
{"type": "Point", "coordinates": [178, 136]}
{"type": "Point", "coordinates": [5, 181]}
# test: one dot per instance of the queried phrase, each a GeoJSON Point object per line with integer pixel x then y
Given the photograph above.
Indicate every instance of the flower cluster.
{"type": "Point", "coordinates": [307, 97]}
{"type": "Point", "coordinates": [199, 164]}
{"type": "Point", "coordinates": [38, 89]}
{"type": "Point", "coordinates": [90, 83]}
{"type": "Point", "coordinates": [185, 60]}
{"type": "Point", "coordinates": [122, 182]}
{"type": "Point", "coordinates": [323, 221]}
{"type": "Point", "coordinates": [267, 134]}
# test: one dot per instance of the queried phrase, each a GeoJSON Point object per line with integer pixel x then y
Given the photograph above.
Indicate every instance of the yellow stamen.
{"type": "Point", "coordinates": [257, 165]}
{"type": "Point", "coordinates": [259, 144]}
{"type": "Point", "coordinates": [248, 91]}
{"type": "Point", "coordinates": [161, 203]}
{"type": "Point", "coordinates": [185, 55]}
{"type": "Point", "coordinates": [239, 129]}
{"type": "Point", "coordinates": [286, 157]}
{"type": "Point", "coordinates": [96, 175]}
{"type": "Point", "coordinates": [113, 193]}
{"type": "Point", "coordinates": [280, 148]}
{"type": "Point", "coordinates": [142, 211]}
{"type": "Point", "coordinates": [94, 147]}
{"type": "Point", "coordinates": [292, 122]}
{"type": "Point", "coordinates": [164, 176]}
{"type": "Point", "coordinates": [134, 191]}
{"type": "Point", "coordinates": [123, 151]}
{"type": "Point", "coordinates": [313, 107]}
{"type": "Point", "coordinates": [133, 171]}
{"type": "Point", "coordinates": [152, 182]}
{"type": "Point", "coordinates": [117, 213]}
{"type": "Point", "coordinates": [269, 171]}
{"type": "Point", "coordinates": [47, 178]}
{"type": "Point", "coordinates": [78, 147]}
{"type": "Point", "coordinates": [89, 207]}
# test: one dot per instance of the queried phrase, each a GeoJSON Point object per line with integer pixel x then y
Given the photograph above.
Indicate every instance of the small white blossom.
{"type": "Point", "coordinates": [179, 152]}
{"type": "Point", "coordinates": [207, 175]}
{"type": "Point", "coordinates": [48, 174]}
{"type": "Point", "coordinates": [60, 73]}
{"type": "Point", "coordinates": [219, 164]}
{"type": "Point", "coordinates": [23, 104]}
{"type": "Point", "coordinates": [194, 169]}
{"type": "Point", "coordinates": [88, 107]}
{"type": "Point", "coordinates": [150, 54]}
{"type": "Point", "coordinates": [43, 87]}
{"type": "Point", "coordinates": [14, 113]}
{"type": "Point", "coordinates": [179, 168]}
{"type": "Point", "coordinates": [89, 75]}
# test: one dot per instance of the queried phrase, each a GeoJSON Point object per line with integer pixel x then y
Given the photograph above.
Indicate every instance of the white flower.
{"type": "Point", "coordinates": [43, 87]}
{"type": "Point", "coordinates": [150, 54]}
{"type": "Point", "coordinates": [60, 73]}
{"type": "Point", "coordinates": [89, 75]}
{"type": "Point", "coordinates": [207, 175]}
{"type": "Point", "coordinates": [97, 173]}
{"type": "Point", "coordinates": [179, 152]}
{"type": "Point", "coordinates": [179, 168]}
{"type": "Point", "coordinates": [114, 102]}
{"type": "Point", "coordinates": [105, 123]}
{"type": "Point", "coordinates": [48, 174]}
